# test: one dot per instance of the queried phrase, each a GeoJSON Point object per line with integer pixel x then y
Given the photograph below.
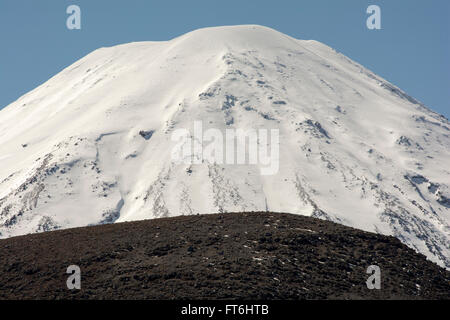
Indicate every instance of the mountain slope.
{"type": "Point", "coordinates": [217, 256]}
{"type": "Point", "coordinates": [94, 144]}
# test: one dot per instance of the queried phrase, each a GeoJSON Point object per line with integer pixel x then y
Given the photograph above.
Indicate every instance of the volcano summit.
{"type": "Point", "coordinates": [94, 144]}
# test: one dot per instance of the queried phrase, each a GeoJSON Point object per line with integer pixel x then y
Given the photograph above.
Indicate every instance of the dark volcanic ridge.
{"type": "Point", "coordinates": [217, 256]}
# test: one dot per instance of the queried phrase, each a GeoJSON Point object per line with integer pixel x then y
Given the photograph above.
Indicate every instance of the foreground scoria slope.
{"type": "Point", "coordinates": [93, 144]}
{"type": "Point", "coordinates": [219, 256]}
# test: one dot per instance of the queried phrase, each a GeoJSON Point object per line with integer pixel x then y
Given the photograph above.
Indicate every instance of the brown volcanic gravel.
{"type": "Point", "coordinates": [219, 256]}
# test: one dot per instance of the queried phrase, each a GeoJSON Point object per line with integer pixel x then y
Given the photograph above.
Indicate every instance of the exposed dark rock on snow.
{"type": "Point", "coordinates": [146, 134]}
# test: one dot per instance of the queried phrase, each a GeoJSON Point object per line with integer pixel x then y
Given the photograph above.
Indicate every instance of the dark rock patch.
{"type": "Point", "coordinates": [146, 134]}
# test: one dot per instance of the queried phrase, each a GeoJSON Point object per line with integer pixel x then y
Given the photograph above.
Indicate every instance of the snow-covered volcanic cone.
{"type": "Point", "coordinates": [94, 143]}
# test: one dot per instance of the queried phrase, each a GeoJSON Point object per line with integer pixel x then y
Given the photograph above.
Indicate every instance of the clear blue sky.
{"type": "Point", "coordinates": [412, 50]}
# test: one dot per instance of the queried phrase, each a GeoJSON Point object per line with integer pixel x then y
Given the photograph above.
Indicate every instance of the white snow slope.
{"type": "Point", "coordinates": [354, 149]}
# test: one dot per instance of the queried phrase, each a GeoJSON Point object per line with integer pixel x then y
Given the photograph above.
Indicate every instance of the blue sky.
{"type": "Point", "coordinates": [412, 50]}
